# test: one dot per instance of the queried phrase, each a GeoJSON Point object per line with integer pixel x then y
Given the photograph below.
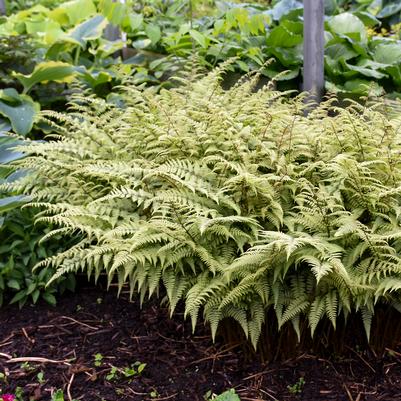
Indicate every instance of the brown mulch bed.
{"type": "Point", "coordinates": [179, 365]}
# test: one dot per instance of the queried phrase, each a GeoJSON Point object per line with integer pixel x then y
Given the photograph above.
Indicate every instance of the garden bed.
{"type": "Point", "coordinates": [90, 332]}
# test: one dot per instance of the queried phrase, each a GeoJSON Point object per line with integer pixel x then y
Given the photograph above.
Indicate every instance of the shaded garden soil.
{"type": "Point", "coordinates": [179, 365]}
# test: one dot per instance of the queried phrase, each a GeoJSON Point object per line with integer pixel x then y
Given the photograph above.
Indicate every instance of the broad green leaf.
{"type": "Point", "coordinates": [12, 202]}
{"type": "Point", "coordinates": [13, 284]}
{"type": "Point", "coordinates": [388, 53]}
{"type": "Point", "coordinates": [281, 75]}
{"type": "Point", "coordinates": [88, 30]}
{"type": "Point", "coordinates": [289, 57]}
{"type": "Point", "coordinates": [368, 19]}
{"type": "Point", "coordinates": [395, 72]}
{"type": "Point", "coordinates": [199, 37]}
{"type": "Point", "coordinates": [114, 11]}
{"type": "Point", "coordinates": [389, 10]}
{"type": "Point", "coordinates": [135, 21]}
{"type": "Point", "coordinates": [363, 87]}
{"type": "Point", "coordinates": [49, 298]}
{"type": "Point", "coordinates": [281, 36]}
{"type": "Point", "coordinates": [283, 7]}
{"type": "Point", "coordinates": [339, 51]}
{"type": "Point", "coordinates": [7, 154]}
{"type": "Point", "coordinates": [359, 87]}
{"type": "Point", "coordinates": [348, 24]}
{"type": "Point", "coordinates": [21, 110]}
{"type": "Point", "coordinates": [366, 68]}
{"type": "Point", "coordinates": [78, 10]}
{"type": "Point", "coordinates": [47, 71]}
{"type": "Point", "coordinates": [154, 33]}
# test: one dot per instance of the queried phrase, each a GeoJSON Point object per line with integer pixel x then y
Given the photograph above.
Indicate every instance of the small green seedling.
{"type": "Point", "coordinates": [98, 359]}
{"type": "Point", "coordinates": [41, 377]}
{"type": "Point", "coordinates": [297, 387]}
{"type": "Point", "coordinates": [134, 370]}
{"type": "Point", "coordinates": [229, 395]}
{"type": "Point", "coordinates": [113, 374]}
{"type": "Point", "coordinates": [27, 367]}
{"type": "Point", "coordinates": [59, 396]}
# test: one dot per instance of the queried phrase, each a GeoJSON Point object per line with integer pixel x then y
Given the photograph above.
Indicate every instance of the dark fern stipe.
{"type": "Point", "coordinates": [233, 200]}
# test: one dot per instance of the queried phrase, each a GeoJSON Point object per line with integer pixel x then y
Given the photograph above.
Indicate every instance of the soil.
{"type": "Point", "coordinates": [179, 365]}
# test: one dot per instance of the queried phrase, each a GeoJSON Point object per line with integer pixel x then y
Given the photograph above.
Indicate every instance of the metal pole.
{"type": "Point", "coordinates": [2, 7]}
{"type": "Point", "coordinates": [313, 72]}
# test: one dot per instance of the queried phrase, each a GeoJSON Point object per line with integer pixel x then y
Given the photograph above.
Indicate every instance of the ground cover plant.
{"type": "Point", "coordinates": [234, 201]}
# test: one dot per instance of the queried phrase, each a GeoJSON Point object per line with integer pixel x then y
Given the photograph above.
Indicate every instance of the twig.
{"type": "Point", "coordinates": [268, 394]}
{"type": "Point", "coordinates": [348, 393]}
{"type": "Point", "coordinates": [69, 387]}
{"type": "Point", "coordinates": [2, 354]}
{"type": "Point", "coordinates": [165, 398]}
{"type": "Point", "coordinates": [78, 322]}
{"type": "Point", "coordinates": [27, 337]}
{"type": "Point", "coordinates": [34, 359]}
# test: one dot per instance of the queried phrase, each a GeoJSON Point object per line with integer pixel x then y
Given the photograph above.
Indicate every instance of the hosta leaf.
{"type": "Point", "coordinates": [389, 10]}
{"type": "Point", "coordinates": [283, 7]}
{"type": "Point", "coordinates": [7, 154]}
{"type": "Point", "coordinates": [388, 53]}
{"type": "Point", "coordinates": [78, 10]}
{"type": "Point", "coordinates": [346, 24]}
{"type": "Point", "coordinates": [12, 202]}
{"type": "Point", "coordinates": [47, 71]}
{"type": "Point", "coordinates": [88, 30]}
{"type": "Point", "coordinates": [21, 110]}
{"type": "Point", "coordinates": [368, 69]}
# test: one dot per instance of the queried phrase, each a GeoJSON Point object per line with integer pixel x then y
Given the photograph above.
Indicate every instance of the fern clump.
{"type": "Point", "coordinates": [234, 200]}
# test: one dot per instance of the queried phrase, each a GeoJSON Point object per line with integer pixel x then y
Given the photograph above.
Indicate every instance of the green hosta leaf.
{"type": "Point", "coordinates": [360, 87]}
{"type": "Point", "coordinates": [281, 36]}
{"type": "Point", "coordinates": [395, 72]}
{"type": "Point", "coordinates": [388, 53]}
{"type": "Point", "coordinates": [367, 68]}
{"type": "Point", "coordinates": [78, 10]}
{"type": "Point", "coordinates": [47, 71]}
{"type": "Point", "coordinates": [88, 30]}
{"type": "Point", "coordinates": [340, 51]}
{"type": "Point", "coordinates": [7, 154]}
{"type": "Point", "coordinates": [389, 10]}
{"type": "Point", "coordinates": [21, 110]}
{"type": "Point", "coordinates": [368, 19]}
{"type": "Point", "coordinates": [114, 11]}
{"type": "Point", "coordinates": [349, 25]}
{"type": "Point", "coordinates": [12, 202]}
{"type": "Point", "coordinates": [283, 7]}
{"type": "Point", "coordinates": [280, 75]}
{"type": "Point", "coordinates": [363, 87]}
{"type": "Point", "coordinates": [154, 33]}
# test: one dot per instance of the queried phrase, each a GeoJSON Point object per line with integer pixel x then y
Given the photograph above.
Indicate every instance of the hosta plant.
{"type": "Point", "coordinates": [235, 201]}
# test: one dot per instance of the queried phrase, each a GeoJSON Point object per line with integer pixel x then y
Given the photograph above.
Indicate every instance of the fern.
{"type": "Point", "coordinates": [233, 200]}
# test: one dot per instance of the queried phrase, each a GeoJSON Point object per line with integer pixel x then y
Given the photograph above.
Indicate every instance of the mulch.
{"type": "Point", "coordinates": [60, 344]}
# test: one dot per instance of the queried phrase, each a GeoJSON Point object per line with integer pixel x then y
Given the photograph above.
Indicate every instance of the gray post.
{"type": "Point", "coordinates": [314, 48]}
{"type": "Point", "coordinates": [2, 7]}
